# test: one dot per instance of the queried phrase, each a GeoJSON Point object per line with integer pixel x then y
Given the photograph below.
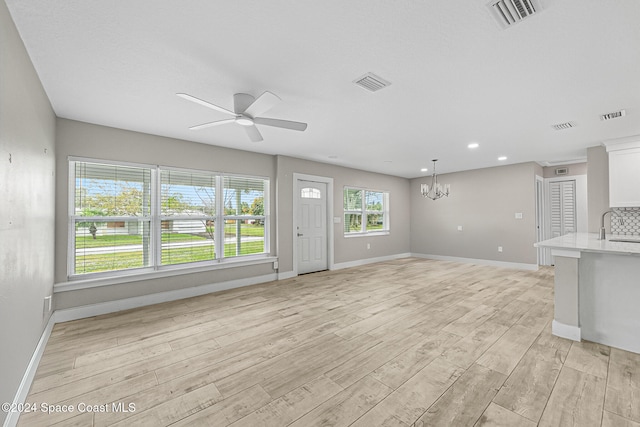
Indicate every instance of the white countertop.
{"type": "Point", "coordinates": [588, 242]}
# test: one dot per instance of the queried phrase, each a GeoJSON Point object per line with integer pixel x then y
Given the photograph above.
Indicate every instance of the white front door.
{"type": "Point", "coordinates": [311, 230]}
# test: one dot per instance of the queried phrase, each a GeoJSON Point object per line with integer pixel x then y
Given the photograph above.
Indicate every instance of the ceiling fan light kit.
{"type": "Point", "coordinates": [246, 110]}
{"type": "Point", "coordinates": [244, 121]}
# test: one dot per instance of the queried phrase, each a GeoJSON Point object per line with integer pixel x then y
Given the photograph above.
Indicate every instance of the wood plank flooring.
{"type": "Point", "coordinates": [410, 342]}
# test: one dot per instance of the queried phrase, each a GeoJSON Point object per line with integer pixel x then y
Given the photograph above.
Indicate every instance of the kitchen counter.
{"type": "Point", "coordinates": [588, 242]}
{"type": "Point", "coordinates": [597, 289]}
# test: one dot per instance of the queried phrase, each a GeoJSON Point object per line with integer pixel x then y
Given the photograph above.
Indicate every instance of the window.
{"type": "Point", "coordinates": [244, 216]}
{"type": "Point", "coordinates": [310, 193]}
{"type": "Point", "coordinates": [111, 218]}
{"type": "Point", "coordinates": [188, 214]}
{"type": "Point", "coordinates": [128, 217]}
{"type": "Point", "coordinates": [365, 211]}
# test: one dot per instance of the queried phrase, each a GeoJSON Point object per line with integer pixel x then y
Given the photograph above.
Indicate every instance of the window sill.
{"type": "Point", "coordinates": [80, 283]}
{"type": "Point", "coordinates": [369, 234]}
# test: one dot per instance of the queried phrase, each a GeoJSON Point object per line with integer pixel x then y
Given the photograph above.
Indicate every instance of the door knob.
{"type": "Point", "coordinates": [299, 234]}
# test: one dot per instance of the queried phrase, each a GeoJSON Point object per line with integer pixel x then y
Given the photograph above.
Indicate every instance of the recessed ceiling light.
{"type": "Point", "coordinates": [424, 170]}
{"type": "Point", "coordinates": [473, 145]}
{"type": "Point", "coordinates": [502, 158]}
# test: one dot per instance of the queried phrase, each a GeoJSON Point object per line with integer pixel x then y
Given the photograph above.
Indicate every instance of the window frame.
{"type": "Point", "coordinates": [363, 212]}
{"type": "Point", "coordinates": [156, 218]}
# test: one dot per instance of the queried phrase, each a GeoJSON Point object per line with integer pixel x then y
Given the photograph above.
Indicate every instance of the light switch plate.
{"type": "Point", "coordinates": [518, 215]}
{"type": "Point", "coordinates": [336, 220]}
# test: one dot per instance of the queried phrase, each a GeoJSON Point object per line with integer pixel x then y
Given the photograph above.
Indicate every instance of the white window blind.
{"type": "Point", "coordinates": [125, 217]}
{"type": "Point", "coordinates": [111, 218]}
{"type": "Point", "coordinates": [244, 215]}
{"type": "Point", "coordinates": [188, 214]}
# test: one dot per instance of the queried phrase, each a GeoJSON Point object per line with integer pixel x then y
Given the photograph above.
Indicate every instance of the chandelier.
{"type": "Point", "coordinates": [436, 190]}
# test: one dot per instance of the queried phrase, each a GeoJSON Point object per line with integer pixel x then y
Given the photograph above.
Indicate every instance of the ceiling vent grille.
{"type": "Point", "coordinates": [613, 115]}
{"type": "Point", "coordinates": [371, 82]}
{"type": "Point", "coordinates": [510, 12]}
{"type": "Point", "coordinates": [563, 126]}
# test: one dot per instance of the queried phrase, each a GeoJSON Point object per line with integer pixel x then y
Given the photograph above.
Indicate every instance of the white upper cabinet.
{"type": "Point", "coordinates": [624, 173]}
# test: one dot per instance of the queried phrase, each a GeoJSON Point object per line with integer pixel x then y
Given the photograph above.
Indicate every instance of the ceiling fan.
{"type": "Point", "coordinates": [246, 110]}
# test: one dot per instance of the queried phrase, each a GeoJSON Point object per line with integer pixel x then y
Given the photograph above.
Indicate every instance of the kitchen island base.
{"type": "Point", "coordinates": [597, 290]}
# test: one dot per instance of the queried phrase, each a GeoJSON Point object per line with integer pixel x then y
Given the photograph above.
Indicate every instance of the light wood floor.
{"type": "Point", "coordinates": [409, 342]}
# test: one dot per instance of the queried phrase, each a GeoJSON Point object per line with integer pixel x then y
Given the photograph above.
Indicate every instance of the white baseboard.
{"type": "Point", "coordinates": [489, 262]}
{"type": "Point", "coordinates": [366, 261]}
{"type": "Point", "coordinates": [30, 373]}
{"type": "Point", "coordinates": [286, 275]}
{"type": "Point", "coordinates": [91, 310]}
{"type": "Point", "coordinates": [565, 331]}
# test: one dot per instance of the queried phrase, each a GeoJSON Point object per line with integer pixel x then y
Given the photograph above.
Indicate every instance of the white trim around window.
{"type": "Point", "coordinates": [366, 212]}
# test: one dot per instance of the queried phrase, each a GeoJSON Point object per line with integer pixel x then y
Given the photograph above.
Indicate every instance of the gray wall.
{"type": "Point", "coordinates": [597, 185]}
{"type": "Point", "coordinates": [27, 132]}
{"type": "Point", "coordinates": [99, 142]}
{"type": "Point", "coordinates": [484, 203]}
{"type": "Point", "coordinates": [86, 140]}
{"type": "Point", "coordinates": [351, 248]}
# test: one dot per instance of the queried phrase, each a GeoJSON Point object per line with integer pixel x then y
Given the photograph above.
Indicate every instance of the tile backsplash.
{"type": "Point", "coordinates": [625, 221]}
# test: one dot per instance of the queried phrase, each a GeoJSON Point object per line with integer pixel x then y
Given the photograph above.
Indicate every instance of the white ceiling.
{"type": "Point", "coordinates": [456, 76]}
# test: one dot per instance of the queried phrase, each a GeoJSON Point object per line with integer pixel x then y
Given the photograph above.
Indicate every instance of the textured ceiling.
{"type": "Point", "coordinates": [456, 76]}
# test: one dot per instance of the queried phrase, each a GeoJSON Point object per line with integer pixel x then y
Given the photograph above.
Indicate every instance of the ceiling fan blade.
{"type": "Point", "coordinates": [263, 103]}
{"type": "Point", "coordinates": [211, 124]}
{"type": "Point", "coordinates": [204, 103]}
{"type": "Point", "coordinates": [286, 124]}
{"type": "Point", "coordinates": [254, 133]}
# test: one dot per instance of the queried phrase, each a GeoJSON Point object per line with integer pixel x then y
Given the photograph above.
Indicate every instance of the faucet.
{"type": "Point", "coordinates": [602, 235]}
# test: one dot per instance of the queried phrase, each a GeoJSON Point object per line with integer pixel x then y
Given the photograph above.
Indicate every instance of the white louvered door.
{"type": "Point", "coordinates": [563, 207]}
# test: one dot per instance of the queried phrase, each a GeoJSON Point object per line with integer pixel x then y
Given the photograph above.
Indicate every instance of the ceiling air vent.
{"type": "Point", "coordinates": [613, 115]}
{"type": "Point", "coordinates": [563, 126]}
{"type": "Point", "coordinates": [371, 82]}
{"type": "Point", "coordinates": [509, 12]}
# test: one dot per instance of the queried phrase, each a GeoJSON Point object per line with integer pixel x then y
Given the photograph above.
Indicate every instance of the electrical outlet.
{"type": "Point", "coordinates": [518, 215]}
{"type": "Point", "coordinates": [499, 248]}
{"type": "Point", "coordinates": [368, 245]}
{"type": "Point", "coordinates": [459, 228]}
